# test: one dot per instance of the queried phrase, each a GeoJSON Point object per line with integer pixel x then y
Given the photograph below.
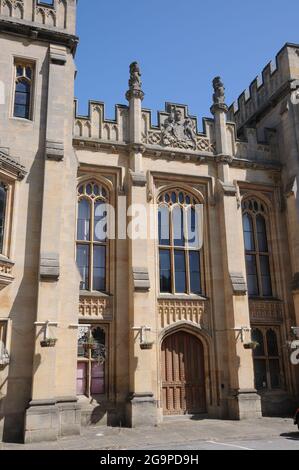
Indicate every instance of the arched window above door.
{"type": "Point", "coordinates": [180, 243]}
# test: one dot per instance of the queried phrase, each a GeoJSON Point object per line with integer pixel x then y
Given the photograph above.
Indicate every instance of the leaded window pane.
{"type": "Point", "coordinates": [178, 226]}
{"type": "Point", "coordinates": [83, 265]}
{"type": "Point", "coordinates": [83, 225]}
{"type": "Point", "coordinates": [180, 271]}
{"type": "Point", "coordinates": [274, 373]}
{"type": "Point", "coordinates": [163, 222]}
{"type": "Point", "coordinates": [261, 234]}
{"type": "Point", "coordinates": [272, 344]}
{"type": "Point", "coordinates": [260, 370]}
{"type": "Point", "coordinates": [265, 275]}
{"type": "Point", "coordinates": [248, 233]}
{"type": "Point", "coordinates": [252, 280]}
{"type": "Point", "coordinates": [257, 336]}
{"type": "Point", "coordinates": [99, 268]}
{"type": "Point", "coordinates": [194, 263]}
{"type": "Point", "coordinates": [165, 271]}
{"type": "Point", "coordinates": [100, 221]}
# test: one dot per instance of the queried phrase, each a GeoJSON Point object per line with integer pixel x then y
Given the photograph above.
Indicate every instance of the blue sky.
{"type": "Point", "coordinates": [180, 45]}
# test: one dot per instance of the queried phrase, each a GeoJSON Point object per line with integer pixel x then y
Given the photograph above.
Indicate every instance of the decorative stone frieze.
{"type": "Point", "coordinates": [266, 311]}
{"type": "Point", "coordinates": [172, 311]}
{"type": "Point", "coordinates": [95, 307]}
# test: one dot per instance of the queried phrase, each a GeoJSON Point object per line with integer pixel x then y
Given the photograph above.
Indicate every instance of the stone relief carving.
{"type": "Point", "coordinates": [178, 131]}
{"type": "Point", "coordinates": [219, 91]}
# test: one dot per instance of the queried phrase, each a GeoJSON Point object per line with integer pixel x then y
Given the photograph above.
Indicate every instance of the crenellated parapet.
{"type": "Point", "coordinates": [176, 133]}
{"type": "Point", "coordinates": [59, 14]}
{"type": "Point", "coordinates": [267, 89]}
{"type": "Point", "coordinates": [97, 127]}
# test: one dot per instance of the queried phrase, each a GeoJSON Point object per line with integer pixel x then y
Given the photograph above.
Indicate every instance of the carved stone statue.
{"type": "Point", "coordinates": [219, 91]}
{"type": "Point", "coordinates": [177, 131]}
{"type": "Point", "coordinates": [135, 77]}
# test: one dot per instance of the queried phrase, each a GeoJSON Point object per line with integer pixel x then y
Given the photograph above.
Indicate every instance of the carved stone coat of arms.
{"type": "Point", "coordinates": [178, 131]}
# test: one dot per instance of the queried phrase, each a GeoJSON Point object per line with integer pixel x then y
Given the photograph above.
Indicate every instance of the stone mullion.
{"type": "Point", "coordinates": [92, 245]}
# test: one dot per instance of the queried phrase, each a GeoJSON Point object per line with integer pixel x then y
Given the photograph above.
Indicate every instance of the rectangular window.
{"type": "Point", "coordinates": [91, 366]}
{"type": "Point", "coordinates": [23, 89]}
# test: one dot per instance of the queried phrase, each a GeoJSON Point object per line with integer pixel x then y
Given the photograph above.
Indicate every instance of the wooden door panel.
{"type": "Point", "coordinates": [182, 368]}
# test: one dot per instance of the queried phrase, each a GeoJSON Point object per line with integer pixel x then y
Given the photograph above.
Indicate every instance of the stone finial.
{"type": "Point", "coordinates": [218, 96]}
{"type": "Point", "coordinates": [135, 83]}
{"type": "Point", "coordinates": [219, 91]}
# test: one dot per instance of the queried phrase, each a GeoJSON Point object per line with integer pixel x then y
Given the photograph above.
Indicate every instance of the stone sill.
{"type": "Point", "coordinates": [273, 393]}
{"type": "Point", "coordinates": [182, 297]}
{"type": "Point", "coordinates": [265, 299]}
{"type": "Point", "coordinates": [87, 293]}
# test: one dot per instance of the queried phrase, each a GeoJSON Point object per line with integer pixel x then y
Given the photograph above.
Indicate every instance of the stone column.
{"type": "Point", "coordinates": [290, 122]}
{"type": "Point", "coordinates": [243, 401]}
{"type": "Point", "coordinates": [142, 405]}
{"type": "Point", "coordinates": [49, 416]}
{"type": "Point", "coordinates": [292, 213]}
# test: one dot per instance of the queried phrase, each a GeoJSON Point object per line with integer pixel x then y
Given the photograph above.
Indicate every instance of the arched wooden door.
{"type": "Point", "coordinates": [183, 376]}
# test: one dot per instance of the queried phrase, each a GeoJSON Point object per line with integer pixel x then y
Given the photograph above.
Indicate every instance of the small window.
{"type": "Point", "coordinates": [92, 355]}
{"type": "Point", "coordinates": [267, 359]}
{"type": "Point", "coordinates": [23, 90]}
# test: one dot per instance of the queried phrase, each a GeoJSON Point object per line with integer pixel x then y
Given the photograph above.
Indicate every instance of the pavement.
{"type": "Point", "coordinates": [181, 434]}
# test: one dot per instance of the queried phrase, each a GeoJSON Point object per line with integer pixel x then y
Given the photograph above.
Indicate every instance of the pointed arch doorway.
{"type": "Point", "coordinates": [183, 375]}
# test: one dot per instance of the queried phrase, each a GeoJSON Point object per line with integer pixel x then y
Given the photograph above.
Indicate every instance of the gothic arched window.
{"type": "Point", "coordinates": [180, 243]}
{"type": "Point", "coordinates": [267, 361]}
{"type": "Point", "coordinates": [92, 243]}
{"type": "Point", "coordinates": [23, 90]}
{"type": "Point", "coordinates": [257, 252]}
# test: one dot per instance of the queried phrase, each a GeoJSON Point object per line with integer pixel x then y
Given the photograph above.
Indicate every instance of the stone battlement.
{"type": "Point", "coordinates": [273, 83]}
{"type": "Point", "coordinates": [58, 14]}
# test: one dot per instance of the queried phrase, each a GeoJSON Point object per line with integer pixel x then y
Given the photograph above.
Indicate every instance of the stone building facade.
{"type": "Point", "coordinates": [124, 330]}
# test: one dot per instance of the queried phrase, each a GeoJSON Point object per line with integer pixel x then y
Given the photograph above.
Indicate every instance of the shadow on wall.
{"type": "Point", "coordinates": [23, 311]}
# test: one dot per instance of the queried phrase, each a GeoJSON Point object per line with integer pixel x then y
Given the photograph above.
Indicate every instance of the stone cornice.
{"type": "Point", "coordinates": [38, 32]}
{"type": "Point", "coordinates": [12, 166]}
{"type": "Point", "coordinates": [174, 154]}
